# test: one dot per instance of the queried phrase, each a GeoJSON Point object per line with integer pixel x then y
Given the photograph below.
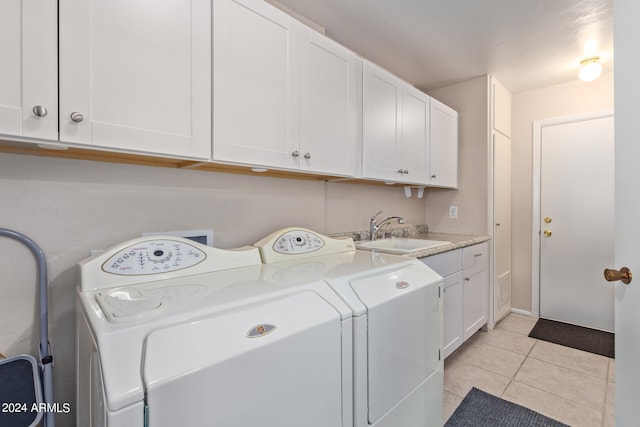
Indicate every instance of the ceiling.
{"type": "Point", "coordinates": [525, 44]}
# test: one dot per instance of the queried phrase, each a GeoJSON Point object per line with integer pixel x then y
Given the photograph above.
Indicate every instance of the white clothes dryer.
{"type": "Point", "coordinates": [397, 323]}
{"type": "Point", "coordinates": [173, 333]}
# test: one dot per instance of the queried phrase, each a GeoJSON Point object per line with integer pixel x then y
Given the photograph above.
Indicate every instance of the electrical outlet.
{"type": "Point", "coordinates": [453, 212]}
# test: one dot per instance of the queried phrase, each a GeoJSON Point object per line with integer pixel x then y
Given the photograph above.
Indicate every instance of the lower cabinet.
{"type": "Point", "coordinates": [466, 292]}
{"type": "Point", "coordinates": [453, 312]}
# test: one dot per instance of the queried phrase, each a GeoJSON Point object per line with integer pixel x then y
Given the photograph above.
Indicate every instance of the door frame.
{"type": "Point", "coordinates": [538, 125]}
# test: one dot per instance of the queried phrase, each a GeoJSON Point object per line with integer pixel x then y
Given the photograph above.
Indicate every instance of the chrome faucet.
{"type": "Point", "coordinates": [374, 226]}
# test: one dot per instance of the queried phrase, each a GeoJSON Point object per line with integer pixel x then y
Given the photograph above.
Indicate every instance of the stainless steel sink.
{"type": "Point", "coordinates": [400, 245]}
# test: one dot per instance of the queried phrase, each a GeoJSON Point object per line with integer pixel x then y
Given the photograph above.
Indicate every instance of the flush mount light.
{"type": "Point", "coordinates": [590, 69]}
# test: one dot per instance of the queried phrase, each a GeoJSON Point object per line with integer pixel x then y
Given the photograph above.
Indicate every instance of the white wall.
{"type": "Point", "coordinates": [554, 101]}
{"type": "Point", "coordinates": [470, 100]}
{"type": "Point", "coordinates": [71, 206]}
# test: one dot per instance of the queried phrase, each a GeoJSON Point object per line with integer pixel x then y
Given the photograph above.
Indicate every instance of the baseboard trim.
{"type": "Point", "coordinates": [522, 312]}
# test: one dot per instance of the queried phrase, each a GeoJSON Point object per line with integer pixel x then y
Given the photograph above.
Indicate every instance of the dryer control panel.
{"type": "Point", "coordinates": [153, 256]}
{"type": "Point", "coordinates": [297, 242]}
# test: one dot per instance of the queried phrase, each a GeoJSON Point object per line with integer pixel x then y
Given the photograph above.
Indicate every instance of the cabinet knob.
{"type": "Point", "coordinates": [433, 177]}
{"type": "Point", "coordinates": [77, 117]}
{"type": "Point", "coordinates": [40, 111]}
{"type": "Point", "coordinates": [307, 156]}
{"type": "Point", "coordinates": [400, 171]}
{"type": "Point", "coordinates": [624, 275]}
{"type": "Point", "coordinates": [406, 172]}
{"type": "Point", "coordinates": [295, 154]}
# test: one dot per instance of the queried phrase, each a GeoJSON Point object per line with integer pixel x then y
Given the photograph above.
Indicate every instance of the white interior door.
{"type": "Point", "coordinates": [502, 224]}
{"type": "Point", "coordinates": [577, 221]}
{"type": "Point", "coordinates": [627, 203]}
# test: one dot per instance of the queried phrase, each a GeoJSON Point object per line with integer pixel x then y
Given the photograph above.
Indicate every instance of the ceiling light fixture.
{"type": "Point", "coordinates": [590, 69]}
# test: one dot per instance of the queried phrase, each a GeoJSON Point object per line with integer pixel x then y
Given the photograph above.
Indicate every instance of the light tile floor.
{"type": "Point", "coordinates": [571, 386]}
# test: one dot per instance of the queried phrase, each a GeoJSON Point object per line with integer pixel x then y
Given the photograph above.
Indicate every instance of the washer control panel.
{"type": "Point", "coordinates": [298, 242]}
{"type": "Point", "coordinates": [152, 257]}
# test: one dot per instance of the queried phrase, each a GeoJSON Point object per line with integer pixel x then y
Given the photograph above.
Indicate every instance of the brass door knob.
{"type": "Point", "coordinates": [547, 220]}
{"type": "Point", "coordinates": [547, 233]}
{"type": "Point", "coordinates": [624, 275]}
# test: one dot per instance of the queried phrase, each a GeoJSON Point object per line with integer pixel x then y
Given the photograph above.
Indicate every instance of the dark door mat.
{"type": "Point", "coordinates": [480, 409]}
{"type": "Point", "coordinates": [578, 337]}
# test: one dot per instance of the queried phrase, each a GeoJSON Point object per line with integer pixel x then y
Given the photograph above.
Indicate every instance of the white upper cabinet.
{"type": "Point", "coordinates": [381, 95]}
{"type": "Point", "coordinates": [328, 105]}
{"type": "Point", "coordinates": [395, 128]}
{"type": "Point", "coordinates": [255, 91]}
{"type": "Point", "coordinates": [444, 146]}
{"type": "Point", "coordinates": [136, 75]}
{"type": "Point", "coordinates": [29, 83]}
{"type": "Point", "coordinates": [284, 95]}
{"type": "Point", "coordinates": [415, 135]}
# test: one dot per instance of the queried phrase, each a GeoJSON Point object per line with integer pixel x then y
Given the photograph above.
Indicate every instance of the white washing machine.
{"type": "Point", "coordinates": [397, 323]}
{"type": "Point", "coordinates": [173, 333]}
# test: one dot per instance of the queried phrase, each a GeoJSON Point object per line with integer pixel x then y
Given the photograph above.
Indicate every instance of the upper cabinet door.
{"type": "Point", "coordinates": [136, 75]}
{"type": "Point", "coordinates": [415, 135]}
{"type": "Point", "coordinates": [381, 115]}
{"type": "Point", "coordinates": [444, 146]}
{"type": "Point", "coordinates": [29, 83]}
{"type": "Point", "coordinates": [328, 105]}
{"type": "Point", "coordinates": [255, 84]}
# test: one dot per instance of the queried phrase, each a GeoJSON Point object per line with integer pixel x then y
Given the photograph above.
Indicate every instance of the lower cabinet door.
{"type": "Point", "coordinates": [453, 312]}
{"type": "Point", "coordinates": [476, 281]}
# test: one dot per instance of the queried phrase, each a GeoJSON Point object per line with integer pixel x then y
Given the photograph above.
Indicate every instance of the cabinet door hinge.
{"type": "Point", "coordinates": [146, 415]}
{"type": "Point", "coordinates": [439, 355]}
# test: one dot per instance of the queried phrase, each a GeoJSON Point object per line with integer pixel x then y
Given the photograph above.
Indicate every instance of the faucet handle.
{"type": "Point", "coordinates": [374, 217]}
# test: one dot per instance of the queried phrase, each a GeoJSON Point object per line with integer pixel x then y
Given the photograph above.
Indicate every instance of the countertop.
{"type": "Point", "coordinates": [422, 232]}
